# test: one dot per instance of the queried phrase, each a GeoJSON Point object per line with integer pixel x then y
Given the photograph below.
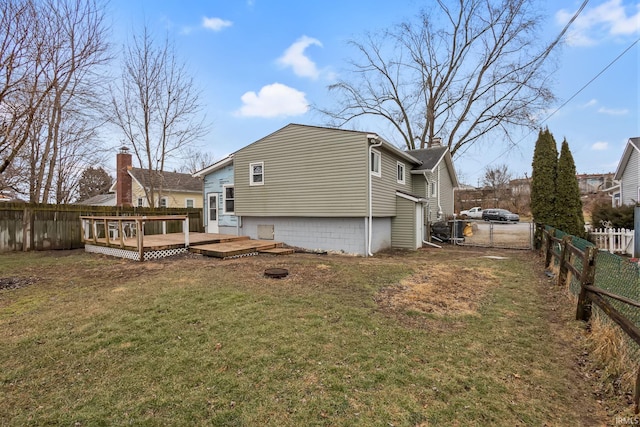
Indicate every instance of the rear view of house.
{"type": "Point", "coordinates": [329, 189]}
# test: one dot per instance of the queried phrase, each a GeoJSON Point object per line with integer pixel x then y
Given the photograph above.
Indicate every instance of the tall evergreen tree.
{"type": "Point", "coordinates": [93, 181]}
{"type": "Point", "coordinates": [543, 179]}
{"type": "Point", "coordinates": [569, 216]}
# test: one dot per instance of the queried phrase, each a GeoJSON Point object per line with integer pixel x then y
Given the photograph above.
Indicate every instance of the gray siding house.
{"type": "Point", "coordinates": [336, 190]}
{"type": "Point", "coordinates": [628, 175]}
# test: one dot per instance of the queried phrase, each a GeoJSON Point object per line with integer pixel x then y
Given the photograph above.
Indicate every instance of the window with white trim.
{"type": "Point", "coordinates": [229, 199]}
{"type": "Point", "coordinates": [256, 173]}
{"type": "Point", "coordinates": [433, 188]}
{"type": "Point", "coordinates": [376, 163]}
{"type": "Point", "coordinates": [164, 202]}
{"type": "Point", "coordinates": [140, 202]}
{"type": "Point", "coordinates": [400, 173]}
{"type": "Point", "coordinates": [189, 203]}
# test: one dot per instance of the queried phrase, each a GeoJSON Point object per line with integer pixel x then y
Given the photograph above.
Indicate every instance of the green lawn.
{"type": "Point", "coordinates": [90, 340]}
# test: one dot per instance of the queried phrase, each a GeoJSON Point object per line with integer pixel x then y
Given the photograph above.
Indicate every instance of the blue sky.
{"type": "Point", "coordinates": [261, 63]}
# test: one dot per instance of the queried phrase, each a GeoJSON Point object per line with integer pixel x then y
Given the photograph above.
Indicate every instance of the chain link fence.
{"type": "Point", "coordinates": [616, 274]}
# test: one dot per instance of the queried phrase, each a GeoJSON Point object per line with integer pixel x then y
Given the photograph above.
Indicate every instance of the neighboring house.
{"type": "Point", "coordinates": [179, 190]}
{"type": "Point", "coordinates": [331, 189]}
{"type": "Point", "coordinates": [219, 200]}
{"type": "Point", "coordinates": [627, 191]}
{"type": "Point", "coordinates": [108, 199]}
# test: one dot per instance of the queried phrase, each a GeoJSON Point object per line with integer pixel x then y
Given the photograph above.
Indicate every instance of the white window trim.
{"type": "Point", "coordinates": [377, 158]}
{"type": "Point", "coordinates": [140, 202]}
{"type": "Point", "coordinates": [186, 202]}
{"type": "Point", "coordinates": [166, 202]}
{"type": "Point", "coordinates": [224, 197]}
{"type": "Point", "coordinates": [401, 180]}
{"type": "Point", "coordinates": [251, 165]}
{"type": "Point", "coordinates": [433, 189]}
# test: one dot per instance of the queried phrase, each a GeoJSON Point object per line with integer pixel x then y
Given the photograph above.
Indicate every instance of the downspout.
{"type": "Point", "coordinates": [440, 213]}
{"type": "Point", "coordinates": [372, 144]}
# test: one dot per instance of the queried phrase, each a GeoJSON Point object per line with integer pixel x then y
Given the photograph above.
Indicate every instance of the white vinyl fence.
{"type": "Point", "coordinates": [614, 240]}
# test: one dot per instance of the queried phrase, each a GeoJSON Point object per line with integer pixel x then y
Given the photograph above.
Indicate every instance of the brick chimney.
{"type": "Point", "coordinates": [123, 179]}
{"type": "Point", "coordinates": [436, 141]}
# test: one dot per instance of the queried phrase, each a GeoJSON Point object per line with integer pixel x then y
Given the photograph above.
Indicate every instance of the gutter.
{"type": "Point", "coordinates": [373, 142]}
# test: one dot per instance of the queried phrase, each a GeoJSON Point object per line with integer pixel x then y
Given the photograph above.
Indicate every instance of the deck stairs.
{"type": "Point", "coordinates": [237, 246]}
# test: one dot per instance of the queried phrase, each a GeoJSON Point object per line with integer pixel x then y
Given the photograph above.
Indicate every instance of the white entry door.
{"type": "Point", "coordinates": [212, 220]}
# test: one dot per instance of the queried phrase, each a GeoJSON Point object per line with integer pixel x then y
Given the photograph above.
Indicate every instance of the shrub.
{"type": "Point", "coordinates": [621, 217]}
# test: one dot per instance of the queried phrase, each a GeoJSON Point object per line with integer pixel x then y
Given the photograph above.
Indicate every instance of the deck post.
{"type": "Point", "coordinates": [140, 233]}
{"type": "Point", "coordinates": [185, 226]}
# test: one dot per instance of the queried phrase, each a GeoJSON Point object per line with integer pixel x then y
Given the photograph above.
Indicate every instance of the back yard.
{"type": "Point", "coordinates": [455, 336]}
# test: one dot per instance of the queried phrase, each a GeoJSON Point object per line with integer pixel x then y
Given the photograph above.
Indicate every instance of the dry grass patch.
{"type": "Point", "coordinates": [441, 290]}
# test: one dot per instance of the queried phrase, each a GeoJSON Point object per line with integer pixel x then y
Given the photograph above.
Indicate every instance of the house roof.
{"type": "Point", "coordinates": [169, 181]}
{"type": "Point", "coordinates": [632, 144]}
{"type": "Point", "coordinates": [214, 167]}
{"type": "Point", "coordinates": [431, 157]}
{"type": "Point", "coordinates": [108, 199]}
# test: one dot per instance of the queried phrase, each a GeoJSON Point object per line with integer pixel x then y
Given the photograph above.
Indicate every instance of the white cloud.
{"type": "Point", "coordinates": [610, 18]}
{"type": "Point", "coordinates": [613, 112]}
{"type": "Point", "coordinates": [295, 58]}
{"type": "Point", "coordinates": [600, 146]}
{"type": "Point", "coordinates": [591, 103]}
{"type": "Point", "coordinates": [215, 24]}
{"type": "Point", "coordinates": [274, 100]}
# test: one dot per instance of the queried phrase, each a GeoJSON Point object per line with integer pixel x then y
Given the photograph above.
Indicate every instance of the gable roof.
{"type": "Point", "coordinates": [632, 144]}
{"type": "Point", "coordinates": [108, 199]}
{"type": "Point", "coordinates": [431, 158]}
{"type": "Point", "coordinates": [214, 167]}
{"type": "Point", "coordinates": [169, 181]}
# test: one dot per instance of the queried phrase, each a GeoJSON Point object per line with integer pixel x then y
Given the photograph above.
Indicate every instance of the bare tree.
{"type": "Point", "coordinates": [460, 71]}
{"type": "Point", "coordinates": [156, 106]}
{"type": "Point", "coordinates": [24, 38]}
{"type": "Point", "coordinates": [53, 132]}
{"type": "Point", "coordinates": [195, 160]}
{"type": "Point", "coordinates": [497, 180]}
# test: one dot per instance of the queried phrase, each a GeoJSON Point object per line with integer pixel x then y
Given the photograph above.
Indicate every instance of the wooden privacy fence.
{"type": "Point", "coordinates": [31, 226]}
{"type": "Point", "coordinates": [561, 252]}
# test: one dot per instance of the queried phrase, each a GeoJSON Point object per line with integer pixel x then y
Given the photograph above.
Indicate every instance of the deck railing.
{"type": "Point", "coordinates": [119, 230]}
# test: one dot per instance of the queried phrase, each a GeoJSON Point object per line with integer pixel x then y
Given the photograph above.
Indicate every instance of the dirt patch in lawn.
{"type": "Point", "coordinates": [16, 282]}
{"type": "Point", "coordinates": [438, 290]}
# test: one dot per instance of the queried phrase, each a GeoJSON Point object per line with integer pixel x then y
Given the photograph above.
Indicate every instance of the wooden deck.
{"type": "Point", "coordinates": [208, 244]}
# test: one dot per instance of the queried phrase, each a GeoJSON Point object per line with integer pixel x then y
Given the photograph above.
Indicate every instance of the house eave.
{"type": "Point", "coordinates": [214, 167]}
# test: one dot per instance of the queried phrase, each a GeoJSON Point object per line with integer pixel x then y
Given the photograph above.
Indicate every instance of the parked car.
{"type": "Point", "coordinates": [499, 215]}
{"type": "Point", "coordinates": [475, 213]}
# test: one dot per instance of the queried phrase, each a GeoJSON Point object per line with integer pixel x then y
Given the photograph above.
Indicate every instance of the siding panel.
{"type": "Point", "coordinates": [403, 225]}
{"type": "Point", "coordinates": [307, 172]}
{"type": "Point", "coordinates": [631, 179]}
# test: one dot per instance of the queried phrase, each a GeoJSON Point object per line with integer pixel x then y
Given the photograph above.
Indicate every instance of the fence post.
{"type": "Point", "coordinates": [587, 277]}
{"type": "Point", "coordinates": [564, 259]}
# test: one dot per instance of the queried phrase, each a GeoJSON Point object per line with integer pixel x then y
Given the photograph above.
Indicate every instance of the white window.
{"type": "Point", "coordinates": [400, 176]}
{"type": "Point", "coordinates": [189, 203]}
{"type": "Point", "coordinates": [376, 163]}
{"type": "Point", "coordinates": [432, 191]}
{"type": "Point", "coordinates": [256, 173]}
{"type": "Point", "coordinates": [164, 202]}
{"type": "Point", "coordinates": [229, 199]}
{"type": "Point", "coordinates": [140, 202]}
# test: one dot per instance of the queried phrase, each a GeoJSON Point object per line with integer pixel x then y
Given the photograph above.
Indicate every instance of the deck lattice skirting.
{"type": "Point", "coordinates": [134, 255]}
